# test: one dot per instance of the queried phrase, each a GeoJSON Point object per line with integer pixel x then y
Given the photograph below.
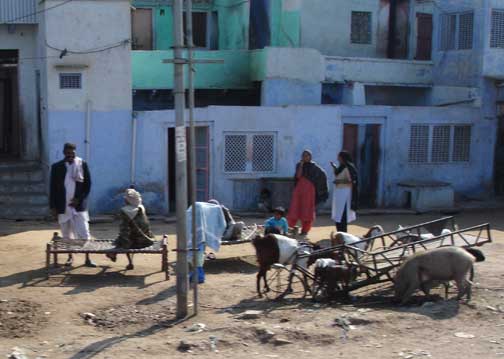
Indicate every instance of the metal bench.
{"type": "Point", "coordinates": [58, 245]}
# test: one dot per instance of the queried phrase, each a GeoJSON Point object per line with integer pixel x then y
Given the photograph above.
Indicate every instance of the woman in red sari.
{"type": "Point", "coordinates": [310, 190]}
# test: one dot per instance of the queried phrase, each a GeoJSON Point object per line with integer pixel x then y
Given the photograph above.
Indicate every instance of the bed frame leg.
{"type": "Point", "coordinates": [55, 255]}
{"type": "Point", "coordinates": [48, 260]}
{"type": "Point", "coordinates": [164, 257]}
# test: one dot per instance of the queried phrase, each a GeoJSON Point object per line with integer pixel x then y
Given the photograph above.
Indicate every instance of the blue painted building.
{"type": "Point", "coordinates": [414, 96]}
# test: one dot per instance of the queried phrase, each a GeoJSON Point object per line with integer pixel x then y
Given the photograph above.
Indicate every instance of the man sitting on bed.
{"type": "Point", "coordinates": [233, 229]}
{"type": "Point", "coordinates": [134, 229]}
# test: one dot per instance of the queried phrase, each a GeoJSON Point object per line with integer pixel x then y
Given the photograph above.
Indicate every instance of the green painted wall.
{"type": "Point", "coordinates": [241, 67]}
{"type": "Point", "coordinates": [233, 24]}
{"type": "Point", "coordinates": [163, 28]}
{"type": "Point", "coordinates": [285, 26]}
{"type": "Point", "coordinates": [235, 73]}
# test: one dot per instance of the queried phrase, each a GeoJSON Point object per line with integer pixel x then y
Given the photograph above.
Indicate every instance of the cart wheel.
{"type": "Point", "coordinates": [278, 280]}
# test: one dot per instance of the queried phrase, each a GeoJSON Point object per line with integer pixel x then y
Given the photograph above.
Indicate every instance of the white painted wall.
{"type": "Point", "coordinates": [80, 26]}
{"type": "Point", "coordinates": [339, 69]}
{"type": "Point", "coordinates": [24, 40]}
{"type": "Point", "coordinates": [320, 129]}
{"type": "Point", "coordinates": [325, 26]}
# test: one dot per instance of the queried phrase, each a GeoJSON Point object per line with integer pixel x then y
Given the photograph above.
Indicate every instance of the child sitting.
{"type": "Point", "coordinates": [277, 224]}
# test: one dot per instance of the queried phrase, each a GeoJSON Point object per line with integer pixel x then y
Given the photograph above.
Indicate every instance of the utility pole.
{"type": "Point", "coordinates": [181, 157]}
{"type": "Point", "coordinates": [181, 152]}
{"type": "Point", "coordinates": [192, 151]}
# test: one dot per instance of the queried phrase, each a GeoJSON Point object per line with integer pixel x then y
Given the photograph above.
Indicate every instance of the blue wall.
{"type": "Point", "coordinates": [110, 151]}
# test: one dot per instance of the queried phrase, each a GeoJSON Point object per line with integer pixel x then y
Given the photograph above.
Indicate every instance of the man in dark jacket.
{"type": "Point", "coordinates": [69, 189]}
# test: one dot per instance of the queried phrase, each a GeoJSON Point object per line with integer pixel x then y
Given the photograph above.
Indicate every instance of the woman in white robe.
{"type": "Point", "coordinates": [344, 203]}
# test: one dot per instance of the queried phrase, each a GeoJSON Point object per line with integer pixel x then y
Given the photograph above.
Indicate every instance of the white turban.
{"type": "Point", "coordinates": [133, 197]}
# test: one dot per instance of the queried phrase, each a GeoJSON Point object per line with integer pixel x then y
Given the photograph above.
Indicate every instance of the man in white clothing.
{"type": "Point", "coordinates": [69, 190]}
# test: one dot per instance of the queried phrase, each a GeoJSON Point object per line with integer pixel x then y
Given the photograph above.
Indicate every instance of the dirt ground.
{"type": "Point", "coordinates": [133, 312]}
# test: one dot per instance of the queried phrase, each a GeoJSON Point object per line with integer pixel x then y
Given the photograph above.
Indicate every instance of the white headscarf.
{"type": "Point", "coordinates": [134, 200]}
{"type": "Point", "coordinates": [77, 172]}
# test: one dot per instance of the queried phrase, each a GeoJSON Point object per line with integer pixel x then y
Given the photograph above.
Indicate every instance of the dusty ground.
{"type": "Point", "coordinates": [135, 310]}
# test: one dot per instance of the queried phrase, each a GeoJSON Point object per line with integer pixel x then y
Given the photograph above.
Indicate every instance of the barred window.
{"type": "Point", "coordinates": [457, 31]}
{"type": "Point", "coordinates": [461, 143]}
{"type": "Point", "coordinates": [448, 31]}
{"type": "Point", "coordinates": [497, 34]}
{"type": "Point", "coordinates": [466, 25]}
{"type": "Point", "coordinates": [70, 81]}
{"type": "Point", "coordinates": [361, 27]}
{"type": "Point", "coordinates": [419, 144]}
{"type": "Point", "coordinates": [235, 153]}
{"type": "Point", "coordinates": [440, 144]}
{"type": "Point", "coordinates": [262, 153]}
{"type": "Point", "coordinates": [249, 152]}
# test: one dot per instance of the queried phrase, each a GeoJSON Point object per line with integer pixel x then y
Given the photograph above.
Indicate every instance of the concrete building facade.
{"type": "Point", "coordinates": [411, 88]}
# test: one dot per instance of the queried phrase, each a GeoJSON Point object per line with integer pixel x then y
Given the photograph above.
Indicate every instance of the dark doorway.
{"type": "Point", "coordinates": [363, 143]}
{"type": "Point", "coordinates": [9, 124]}
{"type": "Point", "coordinates": [424, 36]}
{"type": "Point", "coordinates": [499, 152]}
{"type": "Point", "coordinates": [202, 137]}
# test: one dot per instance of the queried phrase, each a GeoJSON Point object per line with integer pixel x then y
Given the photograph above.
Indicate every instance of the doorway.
{"type": "Point", "coordinates": [499, 152]}
{"type": "Point", "coordinates": [9, 124]}
{"type": "Point", "coordinates": [363, 143]}
{"type": "Point", "coordinates": [141, 29]}
{"type": "Point", "coordinates": [424, 37]}
{"type": "Point", "coordinates": [202, 149]}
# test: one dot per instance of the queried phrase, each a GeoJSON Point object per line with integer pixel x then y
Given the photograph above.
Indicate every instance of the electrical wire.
{"type": "Point", "coordinates": [36, 12]}
{"type": "Point", "coordinates": [92, 50]}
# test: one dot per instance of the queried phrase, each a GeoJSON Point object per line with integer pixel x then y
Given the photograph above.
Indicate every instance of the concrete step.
{"type": "Point", "coordinates": [21, 174]}
{"type": "Point", "coordinates": [17, 211]}
{"type": "Point", "coordinates": [24, 198]}
{"type": "Point", "coordinates": [22, 186]}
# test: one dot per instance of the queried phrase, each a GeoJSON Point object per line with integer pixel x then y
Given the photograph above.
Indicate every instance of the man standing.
{"type": "Point", "coordinates": [69, 189]}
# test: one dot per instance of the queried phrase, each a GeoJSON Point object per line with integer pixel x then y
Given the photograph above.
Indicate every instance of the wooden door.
{"type": "Point", "coordinates": [368, 165]}
{"type": "Point", "coordinates": [202, 149]}
{"type": "Point", "coordinates": [351, 139]}
{"type": "Point", "coordinates": [424, 36]}
{"type": "Point", "coordinates": [141, 29]}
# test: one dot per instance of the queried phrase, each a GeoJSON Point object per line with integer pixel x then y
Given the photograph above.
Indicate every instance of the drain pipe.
{"type": "Point", "coordinates": [87, 140]}
{"type": "Point", "coordinates": [133, 149]}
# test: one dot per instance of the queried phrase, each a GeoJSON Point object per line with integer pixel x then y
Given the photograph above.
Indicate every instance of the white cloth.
{"type": "Point", "coordinates": [210, 225]}
{"type": "Point", "coordinates": [76, 228]}
{"type": "Point", "coordinates": [74, 225]}
{"type": "Point", "coordinates": [288, 248]}
{"type": "Point", "coordinates": [132, 211]}
{"type": "Point", "coordinates": [342, 196]}
{"type": "Point", "coordinates": [350, 239]}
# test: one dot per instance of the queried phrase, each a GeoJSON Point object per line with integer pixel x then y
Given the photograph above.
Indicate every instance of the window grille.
{"type": "Point", "coordinates": [263, 153]}
{"type": "Point", "coordinates": [466, 28]}
{"type": "Point", "coordinates": [497, 32]}
{"type": "Point", "coordinates": [235, 153]}
{"type": "Point", "coordinates": [70, 81]}
{"type": "Point", "coordinates": [440, 144]}
{"type": "Point", "coordinates": [249, 152]}
{"type": "Point", "coordinates": [419, 144]}
{"type": "Point", "coordinates": [448, 31]}
{"type": "Point", "coordinates": [361, 27]}
{"type": "Point", "coordinates": [462, 143]}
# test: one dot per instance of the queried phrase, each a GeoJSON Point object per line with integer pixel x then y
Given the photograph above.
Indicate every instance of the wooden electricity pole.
{"type": "Point", "coordinates": [181, 158]}
{"type": "Point", "coordinates": [192, 151]}
{"type": "Point", "coordinates": [181, 152]}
